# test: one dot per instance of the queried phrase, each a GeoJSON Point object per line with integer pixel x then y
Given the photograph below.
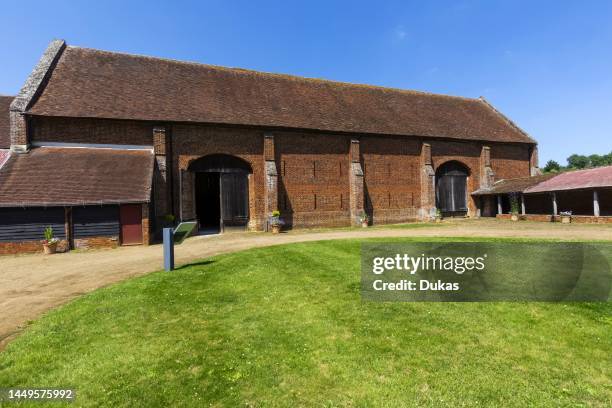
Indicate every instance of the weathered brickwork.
{"type": "Point", "coordinates": [96, 242]}
{"type": "Point", "coordinates": [91, 131]}
{"type": "Point", "coordinates": [318, 179]}
{"type": "Point", "coordinates": [146, 225]}
{"type": "Point", "coordinates": [11, 248]}
{"type": "Point", "coordinates": [427, 178]}
{"type": "Point", "coordinates": [162, 188]}
{"type": "Point", "coordinates": [391, 167]}
{"type": "Point", "coordinates": [18, 131]}
{"type": "Point", "coordinates": [510, 160]}
{"type": "Point", "coordinates": [313, 178]}
{"type": "Point", "coordinates": [271, 174]}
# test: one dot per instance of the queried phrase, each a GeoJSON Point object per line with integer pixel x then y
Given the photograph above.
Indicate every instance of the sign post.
{"type": "Point", "coordinates": [168, 249]}
{"type": "Point", "coordinates": [172, 237]}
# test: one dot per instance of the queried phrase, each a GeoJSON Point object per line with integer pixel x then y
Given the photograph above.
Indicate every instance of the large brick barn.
{"type": "Point", "coordinates": [109, 147]}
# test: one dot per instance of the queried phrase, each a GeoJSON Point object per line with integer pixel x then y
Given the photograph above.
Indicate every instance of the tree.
{"type": "Point", "coordinates": [597, 160]}
{"type": "Point", "coordinates": [551, 166]}
{"type": "Point", "coordinates": [578, 161]}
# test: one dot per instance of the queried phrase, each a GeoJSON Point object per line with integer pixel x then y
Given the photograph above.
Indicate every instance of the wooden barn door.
{"type": "Point", "coordinates": [451, 188]}
{"type": "Point", "coordinates": [130, 216]}
{"type": "Point", "coordinates": [234, 200]}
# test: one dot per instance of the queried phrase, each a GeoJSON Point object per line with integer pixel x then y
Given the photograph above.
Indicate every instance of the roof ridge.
{"type": "Point", "coordinates": [277, 75]}
{"type": "Point", "coordinates": [505, 118]}
{"type": "Point", "coordinates": [586, 169]}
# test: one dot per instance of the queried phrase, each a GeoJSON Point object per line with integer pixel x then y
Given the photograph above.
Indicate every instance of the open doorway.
{"type": "Point", "coordinates": [221, 193]}
{"type": "Point", "coordinates": [208, 201]}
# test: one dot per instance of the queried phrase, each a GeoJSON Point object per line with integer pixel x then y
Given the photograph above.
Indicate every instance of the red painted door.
{"type": "Point", "coordinates": [130, 216]}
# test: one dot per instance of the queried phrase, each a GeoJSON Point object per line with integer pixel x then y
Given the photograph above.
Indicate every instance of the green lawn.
{"type": "Point", "coordinates": [286, 326]}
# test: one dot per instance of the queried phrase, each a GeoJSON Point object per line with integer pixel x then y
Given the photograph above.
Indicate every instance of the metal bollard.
{"type": "Point", "coordinates": [168, 249]}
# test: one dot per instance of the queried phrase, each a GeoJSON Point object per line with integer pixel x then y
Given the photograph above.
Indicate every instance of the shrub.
{"type": "Point", "coordinates": [49, 236]}
{"type": "Point", "coordinates": [514, 204]}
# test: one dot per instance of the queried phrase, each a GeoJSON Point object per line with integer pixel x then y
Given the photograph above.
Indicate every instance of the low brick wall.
{"type": "Point", "coordinates": [96, 242]}
{"type": "Point", "coordinates": [28, 247]}
{"type": "Point", "coordinates": [32, 247]}
{"type": "Point", "coordinates": [585, 219]}
{"type": "Point", "coordinates": [577, 219]}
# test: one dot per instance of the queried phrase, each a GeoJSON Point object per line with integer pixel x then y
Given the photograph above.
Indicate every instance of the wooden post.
{"type": "Point", "coordinates": [68, 227]}
{"type": "Point", "coordinates": [522, 204]}
{"type": "Point", "coordinates": [499, 204]}
{"type": "Point", "coordinates": [554, 202]}
{"type": "Point", "coordinates": [595, 204]}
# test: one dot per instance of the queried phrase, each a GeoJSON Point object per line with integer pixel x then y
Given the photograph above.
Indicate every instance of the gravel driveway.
{"type": "Point", "coordinates": [33, 284]}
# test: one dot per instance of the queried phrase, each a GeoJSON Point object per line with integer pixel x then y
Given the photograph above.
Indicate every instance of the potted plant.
{"type": "Point", "coordinates": [276, 222]}
{"type": "Point", "coordinates": [364, 219]}
{"type": "Point", "coordinates": [514, 207]}
{"type": "Point", "coordinates": [438, 216]}
{"type": "Point", "coordinates": [566, 217]}
{"type": "Point", "coordinates": [50, 242]}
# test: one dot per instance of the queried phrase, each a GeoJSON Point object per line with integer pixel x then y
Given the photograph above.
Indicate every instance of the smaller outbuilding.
{"type": "Point", "coordinates": [587, 194]}
{"type": "Point", "coordinates": [88, 196]}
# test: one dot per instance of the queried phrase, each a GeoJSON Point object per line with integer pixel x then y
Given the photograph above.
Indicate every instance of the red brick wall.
{"type": "Point", "coordinates": [11, 248]}
{"type": "Point", "coordinates": [96, 242]}
{"type": "Point", "coordinates": [510, 160]}
{"type": "Point", "coordinates": [313, 171]}
{"type": "Point", "coordinates": [391, 167]}
{"type": "Point", "coordinates": [313, 178]}
{"type": "Point", "coordinates": [96, 131]}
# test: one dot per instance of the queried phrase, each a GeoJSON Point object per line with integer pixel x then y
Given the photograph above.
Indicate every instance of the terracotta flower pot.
{"type": "Point", "coordinates": [364, 224]}
{"type": "Point", "coordinates": [438, 220]}
{"type": "Point", "coordinates": [514, 217]}
{"type": "Point", "coordinates": [566, 219]}
{"type": "Point", "coordinates": [276, 229]}
{"type": "Point", "coordinates": [50, 248]}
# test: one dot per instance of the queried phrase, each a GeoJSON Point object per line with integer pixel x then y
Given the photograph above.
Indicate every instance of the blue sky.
{"type": "Point", "coordinates": [546, 64]}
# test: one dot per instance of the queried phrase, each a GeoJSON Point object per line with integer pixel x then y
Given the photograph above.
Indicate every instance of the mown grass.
{"type": "Point", "coordinates": [285, 326]}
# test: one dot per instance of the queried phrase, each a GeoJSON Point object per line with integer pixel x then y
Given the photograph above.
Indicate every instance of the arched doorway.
{"type": "Point", "coordinates": [451, 188]}
{"type": "Point", "coordinates": [221, 192]}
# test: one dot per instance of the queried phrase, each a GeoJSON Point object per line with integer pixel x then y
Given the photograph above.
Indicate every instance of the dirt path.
{"type": "Point", "coordinates": [33, 284]}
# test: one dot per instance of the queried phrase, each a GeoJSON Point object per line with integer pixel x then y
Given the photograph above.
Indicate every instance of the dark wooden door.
{"type": "Point", "coordinates": [234, 199]}
{"type": "Point", "coordinates": [130, 216]}
{"type": "Point", "coordinates": [451, 193]}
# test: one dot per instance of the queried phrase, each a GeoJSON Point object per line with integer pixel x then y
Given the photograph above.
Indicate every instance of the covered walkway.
{"type": "Point", "coordinates": [585, 194]}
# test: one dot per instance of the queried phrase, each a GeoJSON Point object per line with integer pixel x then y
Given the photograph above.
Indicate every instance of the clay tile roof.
{"type": "Point", "coordinates": [515, 185]}
{"type": "Point", "coordinates": [5, 138]}
{"type": "Point", "coordinates": [573, 180]}
{"type": "Point", "coordinates": [92, 83]}
{"type": "Point", "coordinates": [76, 176]}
